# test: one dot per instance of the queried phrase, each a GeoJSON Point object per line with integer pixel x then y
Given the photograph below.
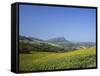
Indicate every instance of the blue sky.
{"type": "Point", "coordinates": [45, 22]}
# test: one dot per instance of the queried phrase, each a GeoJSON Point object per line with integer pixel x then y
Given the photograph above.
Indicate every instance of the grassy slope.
{"type": "Point", "coordinates": [50, 60]}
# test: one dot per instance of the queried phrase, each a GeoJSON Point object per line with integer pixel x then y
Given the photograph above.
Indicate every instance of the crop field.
{"type": "Point", "coordinates": [35, 61]}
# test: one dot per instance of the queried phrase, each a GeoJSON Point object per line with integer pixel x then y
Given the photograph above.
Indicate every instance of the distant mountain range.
{"type": "Point", "coordinates": [59, 44]}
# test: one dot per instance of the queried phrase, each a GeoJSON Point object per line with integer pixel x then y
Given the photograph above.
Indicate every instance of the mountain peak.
{"type": "Point", "coordinates": [58, 39]}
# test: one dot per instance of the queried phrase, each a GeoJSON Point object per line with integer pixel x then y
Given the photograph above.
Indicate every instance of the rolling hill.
{"type": "Point", "coordinates": [59, 44]}
{"type": "Point", "coordinates": [53, 54]}
{"type": "Point", "coordinates": [36, 61]}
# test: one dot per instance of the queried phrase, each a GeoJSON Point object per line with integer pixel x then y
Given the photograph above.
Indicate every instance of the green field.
{"type": "Point", "coordinates": [35, 61]}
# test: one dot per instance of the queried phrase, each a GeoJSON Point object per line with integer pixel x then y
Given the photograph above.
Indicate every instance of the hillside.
{"type": "Point", "coordinates": [28, 44]}
{"type": "Point", "coordinates": [60, 44]}
{"type": "Point", "coordinates": [83, 58]}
